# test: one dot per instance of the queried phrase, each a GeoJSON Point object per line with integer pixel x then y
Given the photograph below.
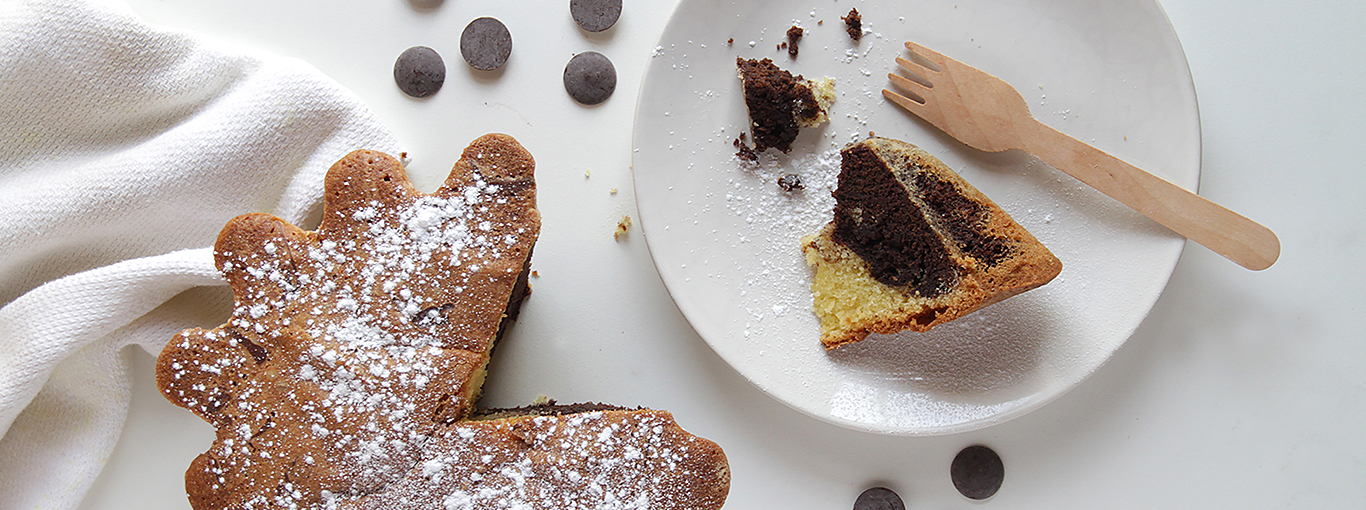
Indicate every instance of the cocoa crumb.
{"type": "Point", "coordinates": [743, 150]}
{"type": "Point", "coordinates": [794, 34]}
{"type": "Point", "coordinates": [853, 24]}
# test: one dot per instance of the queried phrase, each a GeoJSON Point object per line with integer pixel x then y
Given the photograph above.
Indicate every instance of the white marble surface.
{"type": "Point", "coordinates": [1240, 390]}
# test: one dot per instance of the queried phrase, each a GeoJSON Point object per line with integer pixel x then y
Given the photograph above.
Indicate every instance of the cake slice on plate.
{"type": "Point", "coordinates": [913, 246]}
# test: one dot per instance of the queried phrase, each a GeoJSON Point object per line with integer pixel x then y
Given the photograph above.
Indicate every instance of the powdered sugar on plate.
{"type": "Point", "coordinates": [726, 238]}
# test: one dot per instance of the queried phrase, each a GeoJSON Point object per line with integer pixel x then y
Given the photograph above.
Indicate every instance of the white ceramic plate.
{"type": "Point", "coordinates": [725, 237]}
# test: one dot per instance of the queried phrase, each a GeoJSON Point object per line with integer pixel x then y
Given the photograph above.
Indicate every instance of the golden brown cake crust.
{"type": "Point", "coordinates": [852, 303]}
{"type": "Point", "coordinates": [355, 351]}
{"type": "Point", "coordinates": [624, 458]}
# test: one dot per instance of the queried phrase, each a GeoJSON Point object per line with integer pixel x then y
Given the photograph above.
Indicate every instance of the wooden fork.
{"type": "Point", "coordinates": [986, 113]}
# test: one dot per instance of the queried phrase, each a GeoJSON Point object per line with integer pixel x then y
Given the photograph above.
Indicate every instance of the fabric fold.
{"type": "Point", "coordinates": [124, 149]}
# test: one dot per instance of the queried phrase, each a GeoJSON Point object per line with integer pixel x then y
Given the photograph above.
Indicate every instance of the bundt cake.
{"type": "Point", "coordinates": [347, 374]}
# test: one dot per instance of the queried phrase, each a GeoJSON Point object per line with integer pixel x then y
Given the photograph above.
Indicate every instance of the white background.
{"type": "Point", "coordinates": [1240, 390]}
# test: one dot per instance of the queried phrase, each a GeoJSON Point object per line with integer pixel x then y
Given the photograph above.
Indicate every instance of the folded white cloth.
{"type": "Point", "coordinates": [123, 150]}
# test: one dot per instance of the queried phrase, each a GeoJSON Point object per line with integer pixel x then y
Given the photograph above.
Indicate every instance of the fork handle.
{"type": "Point", "coordinates": [1225, 232]}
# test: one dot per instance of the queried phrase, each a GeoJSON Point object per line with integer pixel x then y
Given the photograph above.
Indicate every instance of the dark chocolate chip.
{"type": "Point", "coordinates": [425, 5]}
{"type": "Point", "coordinates": [595, 15]}
{"type": "Point", "coordinates": [486, 44]}
{"type": "Point", "coordinates": [977, 472]}
{"type": "Point", "coordinates": [590, 78]}
{"type": "Point", "coordinates": [419, 71]}
{"type": "Point", "coordinates": [879, 498]}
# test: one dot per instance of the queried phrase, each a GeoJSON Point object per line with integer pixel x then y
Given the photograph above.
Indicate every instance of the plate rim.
{"type": "Point", "coordinates": [1187, 86]}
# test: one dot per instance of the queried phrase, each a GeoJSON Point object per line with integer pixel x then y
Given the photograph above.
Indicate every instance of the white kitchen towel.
{"type": "Point", "coordinates": [124, 149]}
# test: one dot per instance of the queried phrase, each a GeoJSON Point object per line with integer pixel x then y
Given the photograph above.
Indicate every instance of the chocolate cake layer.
{"type": "Point", "coordinates": [876, 218]}
{"type": "Point", "coordinates": [961, 219]}
{"type": "Point", "coordinates": [548, 408]}
{"type": "Point", "coordinates": [912, 245]}
{"type": "Point", "coordinates": [779, 103]}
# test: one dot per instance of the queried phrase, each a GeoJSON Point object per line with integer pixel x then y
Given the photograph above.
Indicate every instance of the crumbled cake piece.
{"type": "Point", "coordinates": [912, 246]}
{"type": "Point", "coordinates": [794, 35]}
{"type": "Point", "coordinates": [853, 24]}
{"type": "Point", "coordinates": [623, 226]}
{"type": "Point", "coordinates": [355, 352]}
{"type": "Point", "coordinates": [743, 150]}
{"type": "Point", "coordinates": [780, 104]}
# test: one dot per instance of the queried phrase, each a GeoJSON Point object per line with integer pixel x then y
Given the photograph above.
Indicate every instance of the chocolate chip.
{"type": "Point", "coordinates": [590, 78]}
{"type": "Point", "coordinates": [485, 44]}
{"type": "Point", "coordinates": [977, 472]}
{"type": "Point", "coordinates": [595, 15]}
{"type": "Point", "coordinates": [879, 498]}
{"type": "Point", "coordinates": [419, 71]}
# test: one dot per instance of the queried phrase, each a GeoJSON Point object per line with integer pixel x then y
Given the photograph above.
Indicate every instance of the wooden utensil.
{"type": "Point", "coordinates": [986, 113]}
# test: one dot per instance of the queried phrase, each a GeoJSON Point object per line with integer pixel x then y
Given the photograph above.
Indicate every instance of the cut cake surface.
{"type": "Point", "coordinates": [780, 104]}
{"type": "Point", "coordinates": [913, 246]}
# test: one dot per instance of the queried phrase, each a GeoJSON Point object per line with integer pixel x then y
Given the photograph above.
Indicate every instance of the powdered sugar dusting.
{"type": "Point", "coordinates": [344, 377]}
{"type": "Point", "coordinates": [620, 460]}
{"type": "Point", "coordinates": [341, 351]}
{"type": "Point", "coordinates": [773, 221]}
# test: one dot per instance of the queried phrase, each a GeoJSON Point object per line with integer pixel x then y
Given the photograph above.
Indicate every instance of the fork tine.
{"type": "Point", "coordinates": [929, 55]}
{"type": "Point", "coordinates": [917, 72]}
{"type": "Point", "coordinates": [910, 84]}
{"type": "Point", "coordinates": [911, 105]}
{"type": "Point", "coordinates": [915, 68]}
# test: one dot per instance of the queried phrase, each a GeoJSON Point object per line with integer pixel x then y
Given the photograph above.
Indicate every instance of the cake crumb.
{"type": "Point", "coordinates": [853, 24]}
{"type": "Point", "coordinates": [622, 227]}
{"type": "Point", "coordinates": [535, 273]}
{"type": "Point", "coordinates": [794, 35]}
{"type": "Point", "coordinates": [612, 191]}
{"type": "Point", "coordinates": [790, 182]}
{"type": "Point", "coordinates": [587, 172]}
{"type": "Point", "coordinates": [743, 150]}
